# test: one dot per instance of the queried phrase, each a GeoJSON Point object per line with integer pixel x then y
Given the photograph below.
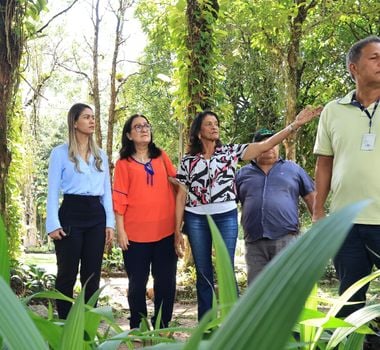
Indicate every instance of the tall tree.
{"type": "Point", "coordinates": [116, 81]}
{"type": "Point", "coordinates": [201, 16]}
{"type": "Point", "coordinates": [95, 71]}
{"type": "Point", "coordinates": [294, 67]}
{"type": "Point", "coordinates": [193, 22]}
{"type": "Point", "coordinates": [11, 45]}
{"type": "Point", "coordinates": [13, 31]}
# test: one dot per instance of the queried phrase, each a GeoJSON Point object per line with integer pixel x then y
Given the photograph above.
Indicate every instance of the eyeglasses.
{"type": "Point", "coordinates": [141, 127]}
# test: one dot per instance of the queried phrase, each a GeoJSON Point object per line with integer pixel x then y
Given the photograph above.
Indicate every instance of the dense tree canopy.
{"type": "Point", "coordinates": [256, 63]}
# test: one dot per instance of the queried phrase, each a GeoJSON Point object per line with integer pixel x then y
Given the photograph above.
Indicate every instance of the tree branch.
{"type": "Point", "coordinates": [36, 91]}
{"type": "Point", "coordinates": [55, 16]}
{"type": "Point", "coordinates": [74, 71]}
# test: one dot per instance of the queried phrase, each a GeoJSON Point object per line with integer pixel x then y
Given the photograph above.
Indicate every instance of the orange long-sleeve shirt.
{"type": "Point", "coordinates": [148, 209]}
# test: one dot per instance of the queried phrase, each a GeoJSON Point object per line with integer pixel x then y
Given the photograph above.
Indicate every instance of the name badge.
{"type": "Point", "coordinates": [368, 142]}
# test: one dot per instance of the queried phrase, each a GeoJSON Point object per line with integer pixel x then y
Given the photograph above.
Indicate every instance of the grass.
{"type": "Point", "coordinates": [43, 260]}
{"type": "Point", "coordinates": [39, 259]}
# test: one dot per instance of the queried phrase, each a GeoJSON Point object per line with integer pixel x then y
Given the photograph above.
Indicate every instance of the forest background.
{"type": "Point", "coordinates": [255, 63]}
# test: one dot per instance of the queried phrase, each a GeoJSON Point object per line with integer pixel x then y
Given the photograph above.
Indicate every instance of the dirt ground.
{"type": "Point", "coordinates": [115, 295]}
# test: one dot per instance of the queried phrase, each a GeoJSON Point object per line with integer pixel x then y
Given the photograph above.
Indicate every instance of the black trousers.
{"type": "Point", "coordinates": [83, 220]}
{"type": "Point", "coordinates": [160, 258]}
{"type": "Point", "coordinates": [355, 260]}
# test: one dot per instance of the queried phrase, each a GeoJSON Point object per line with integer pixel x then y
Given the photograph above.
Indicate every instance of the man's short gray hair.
{"type": "Point", "coordinates": [355, 51]}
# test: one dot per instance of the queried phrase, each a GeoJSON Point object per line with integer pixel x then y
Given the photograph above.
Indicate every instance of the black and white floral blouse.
{"type": "Point", "coordinates": [211, 180]}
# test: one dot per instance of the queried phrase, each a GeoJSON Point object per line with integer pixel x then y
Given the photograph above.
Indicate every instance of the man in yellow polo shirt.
{"type": "Point", "coordinates": [348, 165]}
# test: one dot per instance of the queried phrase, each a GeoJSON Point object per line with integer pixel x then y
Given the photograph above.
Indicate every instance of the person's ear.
{"type": "Point", "coordinates": [353, 70]}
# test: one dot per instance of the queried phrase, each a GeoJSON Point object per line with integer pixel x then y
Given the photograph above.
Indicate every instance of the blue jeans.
{"type": "Point", "coordinates": [354, 261]}
{"type": "Point", "coordinates": [197, 228]}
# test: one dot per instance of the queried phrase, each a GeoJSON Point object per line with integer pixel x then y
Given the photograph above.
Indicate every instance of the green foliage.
{"type": "Point", "coordinates": [248, 67]}
{"type": "Point", "coordinates": [148, 93]}
{"type": "Point", "coordinates": [43, 145]}
{"type": "Point", "coordinates": [245, 81]}
{"type": "Point", "coordinates": [34, 8]}
{"type": "Point", "coordinates": [312, 325]}
{"type": "Point", "coordinates": [290, 279]}
{"type": "Point", "coordinates": [26, 335]}
{"type": "Point", "coordinates": [14, 184]}
{"type": "Point", "coordinates": [258, 320]}
{"type": "Point", "coordinates": [252, 81]}
{"type": "Point", "coordinates": [18, 22]}
{"type": "Point", "coordinates": [167, 28]}
{"type": "Point", "coordinates": [113, 261]}
{"type": "Point", "coordinates": [4, 260]}
{"type": "Point", "coordinates": [30, 279]}
{"type": "Point", "coordinates": [264, 320]}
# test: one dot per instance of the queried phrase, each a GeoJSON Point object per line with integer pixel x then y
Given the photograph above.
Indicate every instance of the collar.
{"type": "Point", "coordinates": [279, 160]}
{"type": "Point", "coordinates": [349, 98]}
{"type": "Point", "coordinates": [346, 100]}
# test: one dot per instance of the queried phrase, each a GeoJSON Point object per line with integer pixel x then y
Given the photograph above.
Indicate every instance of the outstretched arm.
{"type": "Point", "coordinates": [256, 148]}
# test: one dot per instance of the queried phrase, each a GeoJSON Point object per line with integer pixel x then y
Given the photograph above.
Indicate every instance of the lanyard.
{"type": "Point", "coordinates": [356, 103]}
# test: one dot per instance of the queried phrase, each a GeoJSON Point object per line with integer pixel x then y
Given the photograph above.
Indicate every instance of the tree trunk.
{"type": "Point", "coordinates": [11, 43]}
{"type": "Point", "coordinates": [95, 75]}
{"type": "Point", "coordinates": [294, 71]}
{"type": "Point", "coordinates": [200, 47]}
{"type": "Point", "coordinates": [120, 16]}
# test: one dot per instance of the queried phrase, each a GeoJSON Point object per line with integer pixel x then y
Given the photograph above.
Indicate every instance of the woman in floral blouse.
{"type": "Point", "coordinates": [207, 172]}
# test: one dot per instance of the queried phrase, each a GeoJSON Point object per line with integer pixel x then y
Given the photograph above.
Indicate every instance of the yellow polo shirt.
{"type": "Point", "coordinates": [356, 173]}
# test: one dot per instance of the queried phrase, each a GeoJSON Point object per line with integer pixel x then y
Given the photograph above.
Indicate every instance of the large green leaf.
{"type": "Point", "coordinates": [197, 336]}
{"type": "Point", "coordinates": [354, 342]}
{"type": "Point", "coordinates": [357, 318]}
{"type": "Point", "coordinates": [264, 316]}
{"type": "Point", "coordinates": [73, 331]}
{"type": "Point", "coordinates": [349, 292]}
{"type": "Point", "coordinates": [307, 331]}
{"type": "Point", "coordinates": [16, 327]}
{"type": "Point", "coordinates": [51, 331]}
{"type": "Point", "coordinates": [4, 260]}
{"type": "Point", "coordinates": [114, 342]}
{"type": "Point", "coordinates": [344, 298]}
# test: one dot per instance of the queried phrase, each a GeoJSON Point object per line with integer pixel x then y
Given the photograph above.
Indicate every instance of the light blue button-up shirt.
{"type": "Point", "coordinates": [64, 178]}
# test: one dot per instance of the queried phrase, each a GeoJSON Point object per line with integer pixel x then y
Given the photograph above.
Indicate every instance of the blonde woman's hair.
{"type": "Point", "coordinates": [72, 117]}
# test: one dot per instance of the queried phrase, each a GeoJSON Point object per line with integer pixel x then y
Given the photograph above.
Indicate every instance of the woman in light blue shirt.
{"type": "Point", "coordinates": [84, 221]}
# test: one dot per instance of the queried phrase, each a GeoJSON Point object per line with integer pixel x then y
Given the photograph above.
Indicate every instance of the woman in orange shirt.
{"type": "Point", "coordinates": [144, 206]}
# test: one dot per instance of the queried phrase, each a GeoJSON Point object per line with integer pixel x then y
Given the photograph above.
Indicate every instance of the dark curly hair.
{"type": "Point", "coordinates": [128, 147]}
{"type": "Point", "coordinates": [195, 145]}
